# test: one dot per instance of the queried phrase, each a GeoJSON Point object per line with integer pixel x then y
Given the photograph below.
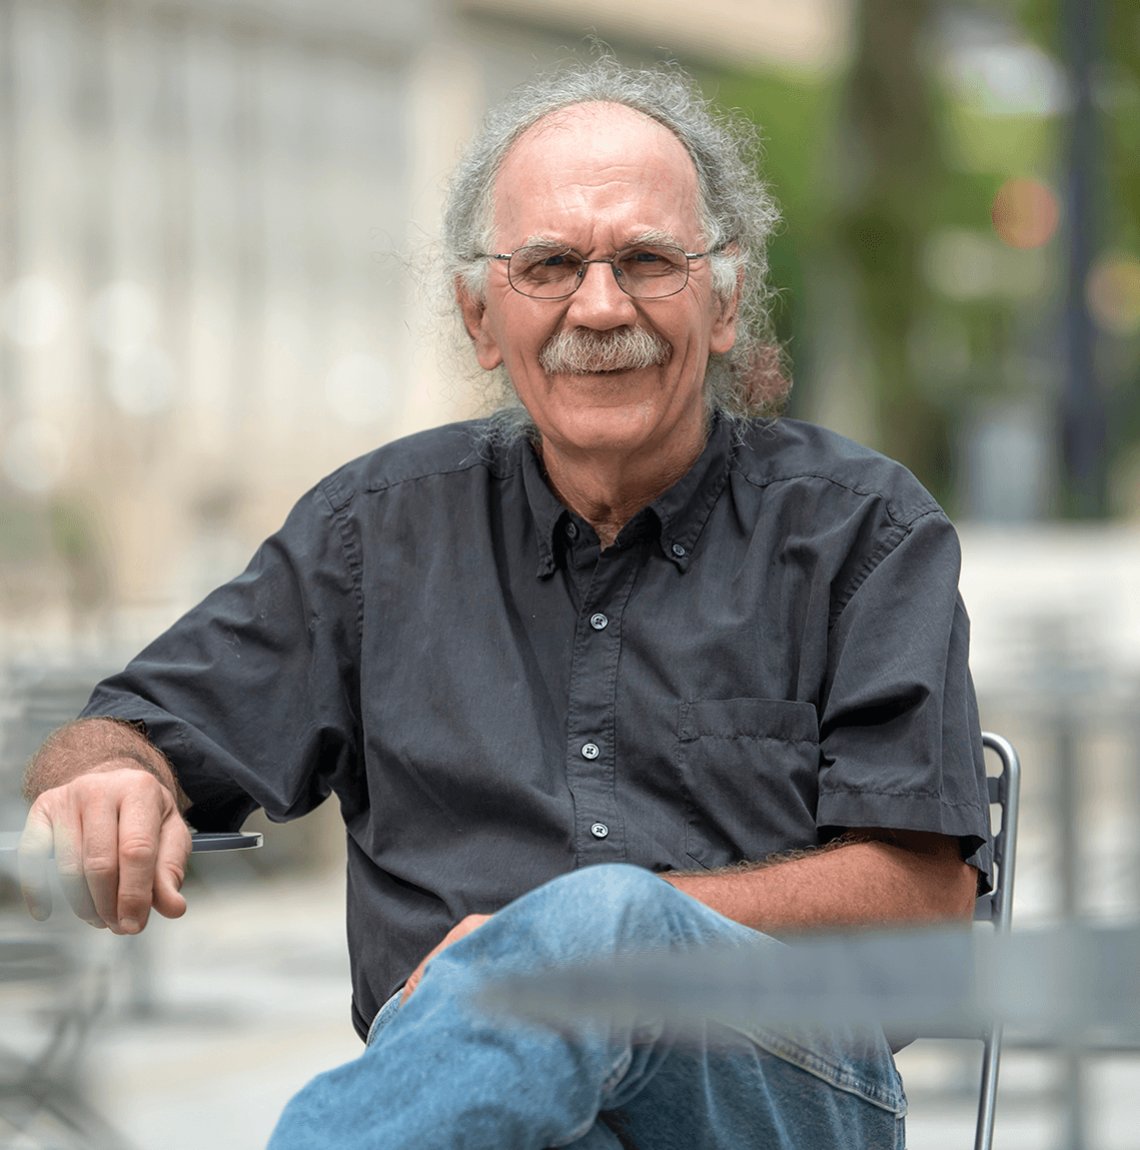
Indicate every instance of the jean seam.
{"type": "Point", "coordinates": [617, 1073]}
{"type": "Point", "coordinates": [373, 1029]}
{"type": "Point", "coordinates": [840, 1077]}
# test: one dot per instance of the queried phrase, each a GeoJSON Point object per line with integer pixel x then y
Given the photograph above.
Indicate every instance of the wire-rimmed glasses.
{"type": "Point", "coordinates": [643, 271]}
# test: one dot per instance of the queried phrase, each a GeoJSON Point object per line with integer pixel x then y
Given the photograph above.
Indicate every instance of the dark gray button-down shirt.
{"type": "Point", "coordinates": [770, 652]}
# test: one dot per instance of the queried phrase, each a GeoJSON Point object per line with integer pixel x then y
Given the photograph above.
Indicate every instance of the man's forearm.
{"type": "Point", "coordinates": [915, 879]}
{"type": "Point", "coordinates": [90, 745]}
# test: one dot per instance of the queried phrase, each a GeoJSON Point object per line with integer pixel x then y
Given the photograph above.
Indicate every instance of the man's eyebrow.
{"type": "Point", "coordinates": [652, 236]}
{"type": "Point", "coordinates": [655, 236]}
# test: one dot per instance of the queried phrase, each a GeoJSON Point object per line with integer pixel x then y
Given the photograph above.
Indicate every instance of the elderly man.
{"type": "Point", "coordinates": [622, 624]}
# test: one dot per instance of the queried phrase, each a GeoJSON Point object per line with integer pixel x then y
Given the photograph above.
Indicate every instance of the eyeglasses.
{"type": "Point", "coordinates": [645, 271]}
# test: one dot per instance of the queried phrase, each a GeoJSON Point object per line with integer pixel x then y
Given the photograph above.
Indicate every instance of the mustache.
{"type": "Point", "coordinates": [579, 351]}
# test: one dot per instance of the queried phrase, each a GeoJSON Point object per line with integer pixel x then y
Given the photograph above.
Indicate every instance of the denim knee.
{"type": "Point", "coordinates": [604, 905]}
{"type": "Point", "coordinates": [613, 882]}
{"type": "Point", "coordinates": [608, 889]}
{"type": "Point", "coordinates": [596, 913]}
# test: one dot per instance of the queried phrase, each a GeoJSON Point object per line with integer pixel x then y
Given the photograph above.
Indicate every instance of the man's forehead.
{"type": "Point", "coordinates": [595, 144]}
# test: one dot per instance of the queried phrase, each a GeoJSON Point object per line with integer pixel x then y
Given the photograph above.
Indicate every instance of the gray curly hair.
{"type": "Point", "coordinates": [737, 212]}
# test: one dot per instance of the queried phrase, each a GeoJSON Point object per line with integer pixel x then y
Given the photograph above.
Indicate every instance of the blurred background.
{"type": "Point", "coordinates": [214, 216]}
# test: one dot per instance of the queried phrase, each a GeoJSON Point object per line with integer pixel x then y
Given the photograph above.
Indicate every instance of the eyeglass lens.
{"type": "Point", "coordinates": [648, 271]}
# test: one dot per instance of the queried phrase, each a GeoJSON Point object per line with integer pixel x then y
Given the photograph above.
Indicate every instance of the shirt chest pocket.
{"type": "Point", "coordinates": [750, 770]}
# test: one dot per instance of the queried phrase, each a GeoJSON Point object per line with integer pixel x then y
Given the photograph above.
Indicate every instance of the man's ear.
{"type": "Point", "coordinates": [475, 321]}
{"type": "Point", "coordinates": [723, 333]}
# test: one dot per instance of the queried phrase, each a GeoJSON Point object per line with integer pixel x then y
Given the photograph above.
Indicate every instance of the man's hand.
{"type": "Point", "coordinates": [120, 847]}
{"type": "Point", "coordinates": [105, 807]}
{"type": "Point", "coordinates": [463, 927]}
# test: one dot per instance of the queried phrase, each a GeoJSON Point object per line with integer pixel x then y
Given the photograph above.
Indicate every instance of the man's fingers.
{"type": "Point", "coordinates": [174, 846]}
{"type": "Point", "coordinates": [412, 983]}
{"type": "Point", "coordinates": [69, 864]}
{"type": "Point", "coordinates": [462, 928]}
{"type": "Point", "coordinates": [143, 815]}
{"type": "Point", "coordinates": [35, 851]}
{"type": "Point", "coordinates": [139, 826]}
{"type": "Point", "coordinates": [101, 855]}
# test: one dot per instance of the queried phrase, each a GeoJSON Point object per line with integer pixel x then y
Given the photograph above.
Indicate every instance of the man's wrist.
{"type": "Point", "coordinates": [95, 746]}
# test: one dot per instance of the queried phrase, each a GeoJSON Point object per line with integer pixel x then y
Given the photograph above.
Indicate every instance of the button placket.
{"type": "Point", "coordinates": [590, 764]}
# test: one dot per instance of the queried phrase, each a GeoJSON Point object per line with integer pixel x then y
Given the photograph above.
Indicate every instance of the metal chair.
{"type": "Point", "coordinates": [996, 908]}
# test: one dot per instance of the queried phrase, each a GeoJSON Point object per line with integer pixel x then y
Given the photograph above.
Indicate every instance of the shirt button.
{"type": "Point", "coordinates": [590, 751]}
{"type": "Point", "coordinates": [599, 622]}
{"type": "Point", "coordinates": [571, 530]}
{"type": "Point", "coordinates": [599, 830]}
{"type": "Point", "coordinates": [678, 550]}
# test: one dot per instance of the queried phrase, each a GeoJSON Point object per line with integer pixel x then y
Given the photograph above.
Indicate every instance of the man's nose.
{"type": "Point", "coordinates": [599, 303]}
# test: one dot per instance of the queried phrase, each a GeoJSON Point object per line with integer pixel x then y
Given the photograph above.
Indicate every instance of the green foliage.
{"type": "Point", "coordinates": [795, 118]}
{"type": "Point", "coordinates": [1120, 101]}
{"type": "Point", "coordinates": [1014, 145]}
{"type": "Point", "coordinates": [856, 166]}
{"type": "Point", "coordinates": [24, 532]}
{"type": "Point", "coordinates": [875, 169]}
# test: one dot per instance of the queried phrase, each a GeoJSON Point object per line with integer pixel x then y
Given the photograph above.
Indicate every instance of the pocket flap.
{"type": "Point", "coordinates": [780, 719]}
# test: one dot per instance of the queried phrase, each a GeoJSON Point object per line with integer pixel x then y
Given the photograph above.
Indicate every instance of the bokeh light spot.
{"type": "Point", "coordinates": [123, 317]}
{"type": "Point", "coordinates": [1025, 213]}
{"type": "Point", "coordinates": [962, 264]}
{"type": "Point", "coordinates": [1113, 293]}
{"type": "Point", "coordinates": [142, 384]}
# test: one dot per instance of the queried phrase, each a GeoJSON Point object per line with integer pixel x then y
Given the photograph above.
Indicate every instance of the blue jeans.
{"type": "Point", "coordinates": [440, 1072]}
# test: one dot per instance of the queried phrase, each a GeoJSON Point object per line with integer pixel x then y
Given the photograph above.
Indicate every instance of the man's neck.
{"type": "Point", "coordinates": [607, 489]}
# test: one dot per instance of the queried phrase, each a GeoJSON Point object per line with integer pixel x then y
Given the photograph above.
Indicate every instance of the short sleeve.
{"type": "Point", "coordinates": [254, 694]}
{"type": "Point", "coordinates": [899, 733]}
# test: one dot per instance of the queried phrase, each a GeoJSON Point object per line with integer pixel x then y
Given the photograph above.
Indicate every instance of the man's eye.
{"type": "Point", "coordinates": [542, 262]}
{"type": "Point", "coordinates": [650, 262]}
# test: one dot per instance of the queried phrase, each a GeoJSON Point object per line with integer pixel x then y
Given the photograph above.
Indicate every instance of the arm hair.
{"type": "Point", "coordinates": [86, 746]}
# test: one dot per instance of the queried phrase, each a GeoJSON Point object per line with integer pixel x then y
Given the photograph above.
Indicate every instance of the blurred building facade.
{"type": "Point", "coordinates": [201, 314]}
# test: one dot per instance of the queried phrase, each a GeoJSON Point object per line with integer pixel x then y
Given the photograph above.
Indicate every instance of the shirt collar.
{"type": "Point", "coordinates": [684, 508]}
{"type": "Point", "coordinates": [545, 508]}
{"type": "Point", "coordinates": [680, 512]}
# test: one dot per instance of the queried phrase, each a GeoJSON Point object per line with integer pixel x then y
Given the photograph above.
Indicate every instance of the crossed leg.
{"type": "Point", "coordinates": [443, 1072]}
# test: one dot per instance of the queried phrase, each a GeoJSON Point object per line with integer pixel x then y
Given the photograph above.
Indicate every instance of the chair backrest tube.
{"type": "Point", "coordinates": [1005, 790]}
{"type": "Point", "coordinates": [1010, 787]}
